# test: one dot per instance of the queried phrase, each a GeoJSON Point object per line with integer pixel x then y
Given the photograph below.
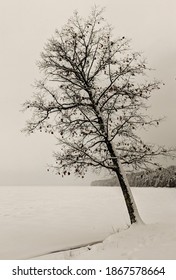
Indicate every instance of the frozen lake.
{"type": "Point", "coordinates": [37, 220]}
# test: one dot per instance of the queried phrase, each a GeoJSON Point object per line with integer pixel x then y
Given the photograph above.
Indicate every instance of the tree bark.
{"type": "Point", "coordinates": [129, 200]}
{"type": "Point", "coordinates": [125, 187]}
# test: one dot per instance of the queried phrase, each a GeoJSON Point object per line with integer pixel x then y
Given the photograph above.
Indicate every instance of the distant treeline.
{"type": "Point", "coordinates": [159, 178]}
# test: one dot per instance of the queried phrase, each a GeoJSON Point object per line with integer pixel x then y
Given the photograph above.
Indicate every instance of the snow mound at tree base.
{"type": "Point", "coordinates": [152, 242]}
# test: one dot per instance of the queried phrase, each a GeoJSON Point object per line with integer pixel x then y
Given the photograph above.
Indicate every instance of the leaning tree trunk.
{"type": "Point", "coordinates": [130, 203]}
{"type": "Point", "coordinates": [126, 190]}
{"type": "Point", "coordinates": [128, 196]}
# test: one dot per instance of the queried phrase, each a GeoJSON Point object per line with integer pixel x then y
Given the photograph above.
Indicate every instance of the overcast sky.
{"type": "Point", "coordinates": [25, 25]}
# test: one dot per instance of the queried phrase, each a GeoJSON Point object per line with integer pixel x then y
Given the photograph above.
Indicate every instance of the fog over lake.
{"type": "Point", "coordinates": [25, 28]}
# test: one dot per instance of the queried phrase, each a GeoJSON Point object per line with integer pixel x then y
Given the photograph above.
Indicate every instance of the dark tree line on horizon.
{"type": "Point", "coordinates": [154, 178]}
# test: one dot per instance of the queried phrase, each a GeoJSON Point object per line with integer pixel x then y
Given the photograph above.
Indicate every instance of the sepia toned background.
{"type": "Point", "coordinates": [26, 25]}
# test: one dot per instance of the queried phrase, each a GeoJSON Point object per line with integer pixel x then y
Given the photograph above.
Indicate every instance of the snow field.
{"type": "Point", "coordinates": [38, 220]}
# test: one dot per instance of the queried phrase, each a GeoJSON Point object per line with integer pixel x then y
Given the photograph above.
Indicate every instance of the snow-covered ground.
{"type": "Point", "coordinates": [36, 221]}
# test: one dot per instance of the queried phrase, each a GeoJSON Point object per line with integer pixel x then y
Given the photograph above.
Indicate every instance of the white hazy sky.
{"type": "Point", "coordinates": [24, 28]}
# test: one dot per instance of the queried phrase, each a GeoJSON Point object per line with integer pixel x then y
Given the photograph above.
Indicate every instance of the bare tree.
{"type": "Point", "coordinates": [93, 99]}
